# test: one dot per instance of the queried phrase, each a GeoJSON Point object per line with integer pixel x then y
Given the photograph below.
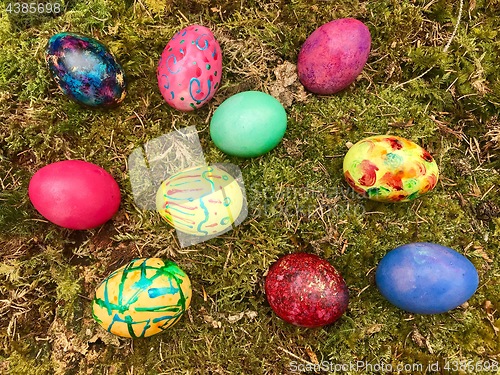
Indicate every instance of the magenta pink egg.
{"type": "Point", "coordinates": [333, 56]}
{"type": "Point", "coordinates": [74, 194]}
{"type": "Point", "coordinates": [190, 68]}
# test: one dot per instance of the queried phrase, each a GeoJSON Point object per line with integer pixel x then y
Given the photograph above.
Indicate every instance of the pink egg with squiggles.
{"type": "Point", "coordinates": [190, 68]}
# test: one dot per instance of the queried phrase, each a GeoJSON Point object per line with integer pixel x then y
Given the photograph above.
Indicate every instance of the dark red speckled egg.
{"type": "Point", "coordinates": [305, 290]}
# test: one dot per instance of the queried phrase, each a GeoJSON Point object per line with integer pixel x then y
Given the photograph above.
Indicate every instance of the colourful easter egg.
{"type": "Point", "coordinates": [305, 290]}
{"type": "Point", "coordinates": [190, 68]}
{"type": "Point", "coordinates": [426, 278]}
{"type": "Point", "coordinates": [200, 201]}
{"type": "Point", "coordinates": [142, 298]}
{"type": "Point", "coordinates": [248, 124]}
{"type": "Point", "coordinates": [388, 168]}
{"type": "Point", "coordinates": [333, 56]}
{"type": "Point", "coordinates": [85, 70]}
{"type": "Point", "coordinates": [74, 194]}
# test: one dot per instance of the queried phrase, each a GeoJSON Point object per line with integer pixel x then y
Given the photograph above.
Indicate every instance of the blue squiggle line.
{"type": "Point", "coordinates": [197, 43]}
{"type": "Point", "coordinates": [175, 62]}
{"type": "Point", "coordinates": [205, 210]}
{"type": "Point", "coordinates": [197, 81]}
{"type": "Point", "coordinates": [168, 81]}
{"type": "Point", "coordinates": [203, 175]}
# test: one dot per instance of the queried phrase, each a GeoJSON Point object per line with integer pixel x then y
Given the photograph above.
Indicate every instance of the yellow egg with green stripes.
{"type": "Point", "coordinates": [200, 201]}
{"type": "Point", "coordinates": [142, 298]}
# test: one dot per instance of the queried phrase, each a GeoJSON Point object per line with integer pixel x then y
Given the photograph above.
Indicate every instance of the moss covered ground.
{"type": "Point", "coordinates": [422, 81]}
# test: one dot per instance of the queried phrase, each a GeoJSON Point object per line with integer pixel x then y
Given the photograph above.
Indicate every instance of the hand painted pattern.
{"type": "Point", "coordinates": [200, 201]}
{"type": "Point", "coordinates": [390, 169]}
{"type": "Point", "coordinates": [189, 69]}
{"type": "Point", "coordinates": [85, 70]}
{"type": "Point", "coordinates": [143, 298]}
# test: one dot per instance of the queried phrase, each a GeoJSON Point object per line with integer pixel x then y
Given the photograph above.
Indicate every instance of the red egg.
{"type": "Point", "coordinates": [74, 194]}
{"type": "Point", "coordinates": [334, 55]}
{"type": "Point", "coordinates": [305, 290]}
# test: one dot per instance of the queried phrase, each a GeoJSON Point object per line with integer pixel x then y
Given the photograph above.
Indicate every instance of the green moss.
{"type": "Point", "coordinates": [67, 291]}
{"type": "Point", "coordinates": [18, 364]}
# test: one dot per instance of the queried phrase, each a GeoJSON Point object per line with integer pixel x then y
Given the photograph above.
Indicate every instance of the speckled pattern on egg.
{"type": "Point", "coordinates": [85, 70]}
{"type": "Point", "coordinates": [190, 68]}
{"type": "Point", "coordinates": [305, 290]}
{"type": "Point", "coordinates": [390, 169]}
{"type": "Point", "coordinates": [200, 201]}
{"type": "Point", "coordinates": [142, 298]}
{"type": "Point", "coordinates": [333, 56]}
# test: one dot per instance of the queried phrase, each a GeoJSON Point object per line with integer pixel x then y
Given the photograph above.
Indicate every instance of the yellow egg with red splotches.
{"type": "Point", "coordinates": [388, 168]}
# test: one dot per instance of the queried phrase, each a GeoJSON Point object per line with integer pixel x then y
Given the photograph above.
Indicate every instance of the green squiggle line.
{"type": "Point", "coordinates": [174, 275]}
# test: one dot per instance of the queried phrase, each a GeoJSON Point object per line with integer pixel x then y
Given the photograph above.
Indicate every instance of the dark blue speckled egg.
{"type": "Point", "coordinates": [85, 70]}
{"type": "Point", "coordinates": [426, 278]}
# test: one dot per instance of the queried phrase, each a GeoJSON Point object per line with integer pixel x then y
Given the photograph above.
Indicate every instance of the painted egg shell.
{"type": "Point", "coordinates": [426, 278]}
{"type": "Point", "coordinates": [200, 201]}
{"type": "Point", "coordinates": [74, 194]}
{"type": "Point", "coordinates": [142, 298]}
{"type": "Point", "coordinates": [248, 124]}
{"type": "Point", "coordinates": [390, 169]}
{"type": "Point", "coordinates": [190, 68]}
{"type": "Point", "coordinates": [333, 56]}
{"type": "Point", "coordinates": [305, 290]}
{"type": "Point", "coordinates": [85, 70]}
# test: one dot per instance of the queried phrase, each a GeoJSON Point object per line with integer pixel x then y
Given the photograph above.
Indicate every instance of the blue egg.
{"type": "Point", "coordinates": [85, 70]}
{"type": "Point", "coordinates": [426, 278]}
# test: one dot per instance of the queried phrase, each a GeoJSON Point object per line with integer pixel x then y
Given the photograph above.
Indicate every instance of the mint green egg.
{"type": "Point", "coordinates": [248, 124]}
